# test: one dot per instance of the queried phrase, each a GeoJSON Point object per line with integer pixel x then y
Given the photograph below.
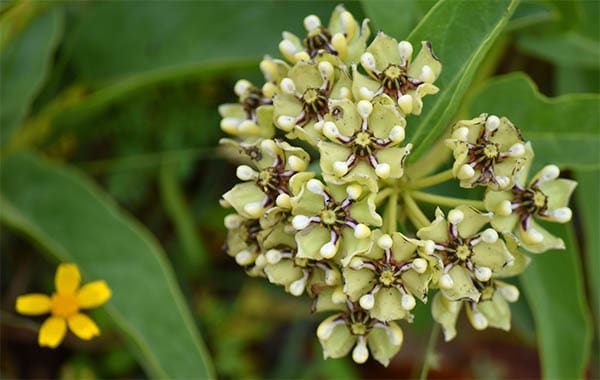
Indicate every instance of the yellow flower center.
{"type": "Point", "coordinates": [64, 305]}
{"type": "Point", "coordinates": [358, 328]}
{"type": "Point", "coordinates": [490, 151]}
{"type": "Point", "coordinates": [539, 199]}
{"type": "Point", "coordinates": [328, 217]}
{"type": "Point", "coordinates": [387, 277]}
{"type": "Point", "coordinates": [393, 72]}
{"type": "Point", "coordinates": [463, 252]}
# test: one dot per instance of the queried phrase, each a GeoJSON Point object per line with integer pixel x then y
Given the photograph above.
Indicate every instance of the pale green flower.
{"type": "Point", "coordinates": [303, 99]}
{"type": "Point", "coordinates": [546, 197]}
{"type": "Point", "coordinates": [276, 163]}
{"type": "Point", "coordinates": [488, 151]}
{"type": "Point", "coordinates": [386, 279]}
{"type": "Point", "coordinates": [242, 241]}
{"type": "Point", "coordinates": [343, 38]}
{"type": "Point", "coordinates": [363, 144]}
{"type": "Point", "coordinates": [492, 310]}
{"type": "Point", "coordinates": [461, 254]}
{"type": "Point", "coordinates": [356, 331]}
{"type": "Point", "coordinates": [333, 221]}
{"type": "Point", "coordinates": [391, 71]}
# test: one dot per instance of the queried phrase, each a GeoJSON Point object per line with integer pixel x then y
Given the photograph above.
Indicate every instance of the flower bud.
{"type": "Point", "coordinates": [245, 173]}
{"type": "Point", "coordinates": [300, 222]}
{"type": "Point", "coordinates": [361, 231]}
{"type": "Point", "coordinates": [405, 102]}
{"type": "Point", "coordinates": [383, 170]}
{"type": "Point", "coordinates": [364, 108]}
{"type": "Point", "coordinates": [455, 216]}
{"type": "Point", "coordinates": [368, 61]}
{"type": "Point", "coordinates": [311, 22]}
{"type": "Point", "coordinates": [367, 301]}
{"type": "Point", "coordinates": [385, 241]}
{"type": "Point", "coordinates": [419, 265]}
{"type": "Point", "coordinates": [360, 354]}
{"type": "Point", "coordinates": [408, 302]}
{"type": "Point", "coordinates": [492, 123]}
{"type": "Point", "coordinates": [489, 235]}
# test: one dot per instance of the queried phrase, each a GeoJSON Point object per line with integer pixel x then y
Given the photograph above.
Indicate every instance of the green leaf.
{"type": "Point", "coordinates": [553, 285]}
{"type": "Point", "coordinates": [568, 48]}
{"type": "Point", "coordinates": [68, 216]}
{"type": "Point", "coordinates": [24, 65]}
{"type": "Point", "coordinates": [461, 33]}
{"type": "Point", "coordinates": [563, 130]}
{"type": "Point", "coordinates": [396, 18]}
{"type": "Point", "coordinates": [588, 211]}
{"type": "Point", "coordinates": [529, 13]}
{"type": "Point", "coordinates": [180, 40]}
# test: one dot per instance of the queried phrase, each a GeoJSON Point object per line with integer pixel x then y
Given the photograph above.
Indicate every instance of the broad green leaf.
{"type": "Point", "coordinates": [588, 212]}
{"type": "Point", "coordinates": [68, 216]}
{"type": "Point", "coordinates": [530, 13]}
{"type": "Point", "coordinates": [553, 285]}
{"type": "Point", "coordinates": [24, 65]}
{"type": "Point", "coordinates": [563, 130]}
{"type": "Point", "coordinates": [461, 33]}
{"type": "Point", "coordinates": [564, 48]}
{"type": "Point", "coordinates": [570, 80]}
{"type": "Point", "coordinates": [174, 41]}
{"type": "Point", "coordinates": [179, 34]}
{"type": "Point", "coordinates": [395, 18]}
{"type": "Point", "coordinates": [573, 41]}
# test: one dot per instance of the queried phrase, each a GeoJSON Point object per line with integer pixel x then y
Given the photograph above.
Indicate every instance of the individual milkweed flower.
{"type": "Point", "coordinates": [343, 38]}
{"type": "Point", "coordinates": [277, 163]}
{"type": "Point", "coordinates": [65, 306]}
{"type": "Point", "coordinates": [488, 151]}
{"type": "Point", "coordinates": [546, 197]}
{"type": "Point", "coordinates": [363, 144]}
{"type": "Point", "coordinates": [252, 115]}
{"type": "Point", "coordinates": [297, 274]}
{"type": "Point", "coordinates": [462, 254]}
{"type": "Point", "coordinates": [492, 310]}
{"type": "Point", "coordinates": [355, 330]}
{"type": "Point", "coordinates": [386, 278]}
{"type": "Point", "coordinates": [391, 71]}
{"type": "Point", "coordinates": [333, 219]}
{"type": "Point", "coordinates": [303, 100]}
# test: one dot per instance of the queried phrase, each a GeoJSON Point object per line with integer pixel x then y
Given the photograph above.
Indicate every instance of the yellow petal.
{"type": "Point", "coordinates": [52, 332]}
{"type": "Point", "coordinates": [83, 326]}
{"type": "Point", "coordinates": [67, 278]}
{"type": "Point", "coordinates": [33, 304]}
{"type": "Point", "coordinates": [93, 294]}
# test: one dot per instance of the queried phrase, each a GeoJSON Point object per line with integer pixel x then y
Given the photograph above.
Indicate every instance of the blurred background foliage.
{"type": "Point", "coordinates": [108, 135]}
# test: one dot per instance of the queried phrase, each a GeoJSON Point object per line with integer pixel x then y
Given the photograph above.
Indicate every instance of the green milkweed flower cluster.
{"type": "Point", "coordinates": [320, 217]}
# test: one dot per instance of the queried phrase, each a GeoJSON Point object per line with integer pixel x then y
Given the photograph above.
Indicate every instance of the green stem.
{"type": "Point", "coordinates": [435, 332]}
{"type": "Point", "coordinates": [383, 194]}
{"type": "Point", "coordinates": [392, 213]}
{"type": "Point", "coordinates": [446, 201]}
{"type": "Point", "coordinates": [432, 180]}
{"type": "Point", "coordinates": [415, 214]}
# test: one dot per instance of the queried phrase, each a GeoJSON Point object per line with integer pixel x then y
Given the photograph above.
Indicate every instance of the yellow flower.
{"type": "Point", "coordinates": [65, 305]}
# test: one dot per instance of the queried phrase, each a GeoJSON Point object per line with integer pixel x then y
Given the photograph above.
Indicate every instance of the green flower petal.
{"type": "Point", "coordinates": [437, 231]}
{"type": "Point", "coordinates": [233, 110]}
{"type": "Point", "coordinates": [520, 262]}
{"type": "Point", "coordinates": [393, 156]}
{"type": "Point", "coordinates": [403, 248]}
{"type": "Point", "coordinates": [364, 211]}
{"type": "Point", "coordinates": [345, 116]}
{"type": "Point", "coordinates": [305, 75]}
{"type": "Point", "coordinates": [381, 346]}
{"type": "Point", "coordinates": [264, 118]}
{"type": "Point", "coordinates": [307, 203]}
{"type": "Point", "coordinates": [558, 192]}
{"type": "Point", "coordinates": [298, 180]}
{"type": "Point", "coordinates": [331, 153]}
{"type": "Point", "coordinates": [388, 305]}
{"type": "Point", "coordinates": [351, 246]}
{"type": "Point", "coordinates": [287, 105]}
{"type": "Point", "coordinates": [417, 284]}
{"type": "Point", "coordinates": [357, 282]}
{"type": "Point", "coordinates": [283, 273]}
{"type": "Point", "coordinates": [243, 194]}
{"type": "Point", "coordinates": [492, 255]}
{"type": "Point", "coordinates": [385, 50]}
{"type": "Point", "coordinates": [463, 286]}
{"type": "Point", "coordinates": [472, 222]}
{"type": "Point", "coordinates": [361, 81]}
{"type": "Point", "coordinates": [492, 199]}
{"type": "Point", "coordinates": [548, 242]}
{"type": "Point", "coordinates": [384, 116]}
{"type": "Point", "coordinates": [506, 135]}
{"type": "Point", "coordinates": [445, 313]}
{"type": "Point", "coordinates": [496, 311]}
{"type": "Point", "coordinates": [339, 343]}
{"type": "Point", "coordinates": [425, 57]}
{"type": "Point", "coordinates": [324, 302]}
{"type": "Point", "coordinates": [310, 241]}
{"type": "Point", "coordinates": [276, 236]}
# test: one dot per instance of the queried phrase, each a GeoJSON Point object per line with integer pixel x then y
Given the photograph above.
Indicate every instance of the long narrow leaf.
{"type": "Point", "coordinates": [63, 212]}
